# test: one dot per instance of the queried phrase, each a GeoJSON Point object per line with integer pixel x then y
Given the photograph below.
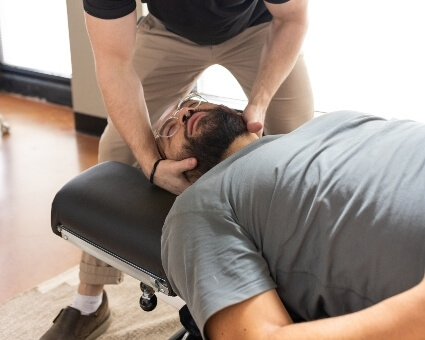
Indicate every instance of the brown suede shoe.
{"type": "Point", "coordinates": [71, 325]}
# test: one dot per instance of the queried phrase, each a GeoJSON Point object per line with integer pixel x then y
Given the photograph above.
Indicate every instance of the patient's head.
{"type": "Point", "coordinates": [196, 128]}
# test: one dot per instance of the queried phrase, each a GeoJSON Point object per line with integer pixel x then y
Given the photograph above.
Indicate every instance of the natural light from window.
{"type": "Point", "coordinates": [34, 35]}
{"type": "Point", "coordinates": [362, 55]}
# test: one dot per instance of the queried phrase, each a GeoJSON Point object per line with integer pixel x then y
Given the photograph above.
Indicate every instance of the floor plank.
{"type": "Point", "coordinates": [39, 155]}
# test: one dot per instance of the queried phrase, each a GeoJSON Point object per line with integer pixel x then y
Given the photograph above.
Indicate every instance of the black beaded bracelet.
{"type": "Point", "coordinates": [154, 169]}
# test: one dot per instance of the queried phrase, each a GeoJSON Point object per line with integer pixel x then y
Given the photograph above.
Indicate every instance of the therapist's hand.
{"type": "Point", "coordinates": [170, 176]}
{"type": "Point", "coordinates": [254, 117]}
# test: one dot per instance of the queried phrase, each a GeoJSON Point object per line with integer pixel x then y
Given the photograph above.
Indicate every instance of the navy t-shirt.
{"type": "Point", "coordinates": [208, 22]}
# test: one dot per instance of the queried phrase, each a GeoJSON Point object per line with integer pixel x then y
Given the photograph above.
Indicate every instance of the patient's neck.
{"type": "Point", "coordinates": [239, 143]}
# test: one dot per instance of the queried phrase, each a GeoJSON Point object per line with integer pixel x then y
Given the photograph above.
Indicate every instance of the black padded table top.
{"type": "Point", "coordinates": [113, 205]}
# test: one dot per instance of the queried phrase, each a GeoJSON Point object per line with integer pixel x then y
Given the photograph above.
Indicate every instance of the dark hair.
{"type": "Point", "coordinates": [219, 129]}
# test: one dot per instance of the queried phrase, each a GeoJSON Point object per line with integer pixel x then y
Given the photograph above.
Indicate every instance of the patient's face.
{"type": "Point", "coordinates": [204, 133]}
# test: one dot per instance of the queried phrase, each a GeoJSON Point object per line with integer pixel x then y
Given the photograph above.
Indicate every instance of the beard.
{"type": "Point", "coordinates": [220, 127]}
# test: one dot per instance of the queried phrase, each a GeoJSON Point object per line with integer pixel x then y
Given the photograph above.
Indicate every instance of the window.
{"type": "Point", "coordinates": [34, 36]}
{"type": "Point", "coordinates": [362, 55]}
{"type": "Point", "coordinates": [217, 81]}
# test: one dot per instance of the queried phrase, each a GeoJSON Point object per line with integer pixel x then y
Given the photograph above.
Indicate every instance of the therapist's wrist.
{"type": "Point", "coordinates": [152, 174]}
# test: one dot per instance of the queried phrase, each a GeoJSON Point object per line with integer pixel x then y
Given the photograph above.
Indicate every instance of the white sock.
{"type": "Point", "coordinates": [87, 304]}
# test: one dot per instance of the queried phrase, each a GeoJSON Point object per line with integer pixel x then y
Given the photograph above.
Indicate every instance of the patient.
{"type": "Point", "coordinates": [325, 223]}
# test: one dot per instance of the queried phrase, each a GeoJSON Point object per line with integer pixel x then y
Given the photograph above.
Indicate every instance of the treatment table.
{"type": "Point", "coordinates": [112, 212]}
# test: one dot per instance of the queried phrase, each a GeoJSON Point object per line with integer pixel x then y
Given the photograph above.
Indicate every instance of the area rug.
{"type": "Point", "coordinates": [30, 314]}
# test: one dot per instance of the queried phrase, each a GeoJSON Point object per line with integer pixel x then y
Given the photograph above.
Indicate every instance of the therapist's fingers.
{"type": "Point", "coordinates": [255, 127]}
{"type": "Point", "coordinates": [254, 118]}
{"type": "Point", "coordinates": [170, 176]}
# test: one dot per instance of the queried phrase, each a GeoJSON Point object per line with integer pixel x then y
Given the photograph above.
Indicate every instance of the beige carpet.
{"type": "Point", "coordinates": [30, 314]}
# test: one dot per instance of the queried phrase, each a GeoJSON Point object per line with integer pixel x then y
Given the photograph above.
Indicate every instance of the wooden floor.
{"type": "Point", "coordinates": [39, 155]}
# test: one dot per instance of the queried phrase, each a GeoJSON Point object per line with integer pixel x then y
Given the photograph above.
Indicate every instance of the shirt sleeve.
{"type": "Point", "coordinates": [212, 263]}
{"type": "Point", "coordinates": [109, 9]}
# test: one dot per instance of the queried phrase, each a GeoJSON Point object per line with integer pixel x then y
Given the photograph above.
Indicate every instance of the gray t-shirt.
{"type": "Point", "coordinates": [332, 215]}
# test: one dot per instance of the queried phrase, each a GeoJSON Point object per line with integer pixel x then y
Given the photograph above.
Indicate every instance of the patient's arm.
{"type": "Point", "coordinates": [265, 317]}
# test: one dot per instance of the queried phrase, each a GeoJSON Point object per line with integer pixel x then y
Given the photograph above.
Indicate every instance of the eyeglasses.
{"type": "Point", "coordinates": [171, 125]}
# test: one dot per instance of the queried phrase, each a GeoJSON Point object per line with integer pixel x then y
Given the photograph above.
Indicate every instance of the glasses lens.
{"type": "Point", "coordinates": [169, 127]}
{"type": "Point", "coordinates": [194, 99]}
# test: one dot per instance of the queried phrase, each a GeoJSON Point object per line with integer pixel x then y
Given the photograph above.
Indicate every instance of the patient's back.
{"type": "Point", "coordinates": [333, 211]}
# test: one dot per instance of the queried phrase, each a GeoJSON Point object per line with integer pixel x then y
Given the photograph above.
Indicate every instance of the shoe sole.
{"type": "Point", "coordinates": [100, 329]}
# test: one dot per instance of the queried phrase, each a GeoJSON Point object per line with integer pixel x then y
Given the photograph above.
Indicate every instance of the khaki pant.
{"type": "Point", "coordinates": [169, 66]}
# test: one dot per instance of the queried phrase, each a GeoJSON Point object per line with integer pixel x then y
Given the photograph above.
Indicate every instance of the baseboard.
{"type": "Point", "coordinates": [89, 124]}
{"type": "Point", "coordinates": [54, 89]}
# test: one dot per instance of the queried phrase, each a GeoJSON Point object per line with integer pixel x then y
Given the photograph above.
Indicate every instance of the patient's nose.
{"type": "Point", "coordinates": [184, 114]}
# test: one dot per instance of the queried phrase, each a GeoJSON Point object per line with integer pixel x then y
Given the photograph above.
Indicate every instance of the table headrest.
{"type": "Point", "coordinates": [114, 206]}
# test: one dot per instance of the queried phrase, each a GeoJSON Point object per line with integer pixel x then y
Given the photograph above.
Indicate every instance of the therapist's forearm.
{"type": "Point", "coordinates": [124, 99]}
{"type": "Point", "coordinates": [113, 44]}
{"type": "Point", "coordinates": [399, 317]}
{"type": "Point", "coordinates": [279, 56]}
